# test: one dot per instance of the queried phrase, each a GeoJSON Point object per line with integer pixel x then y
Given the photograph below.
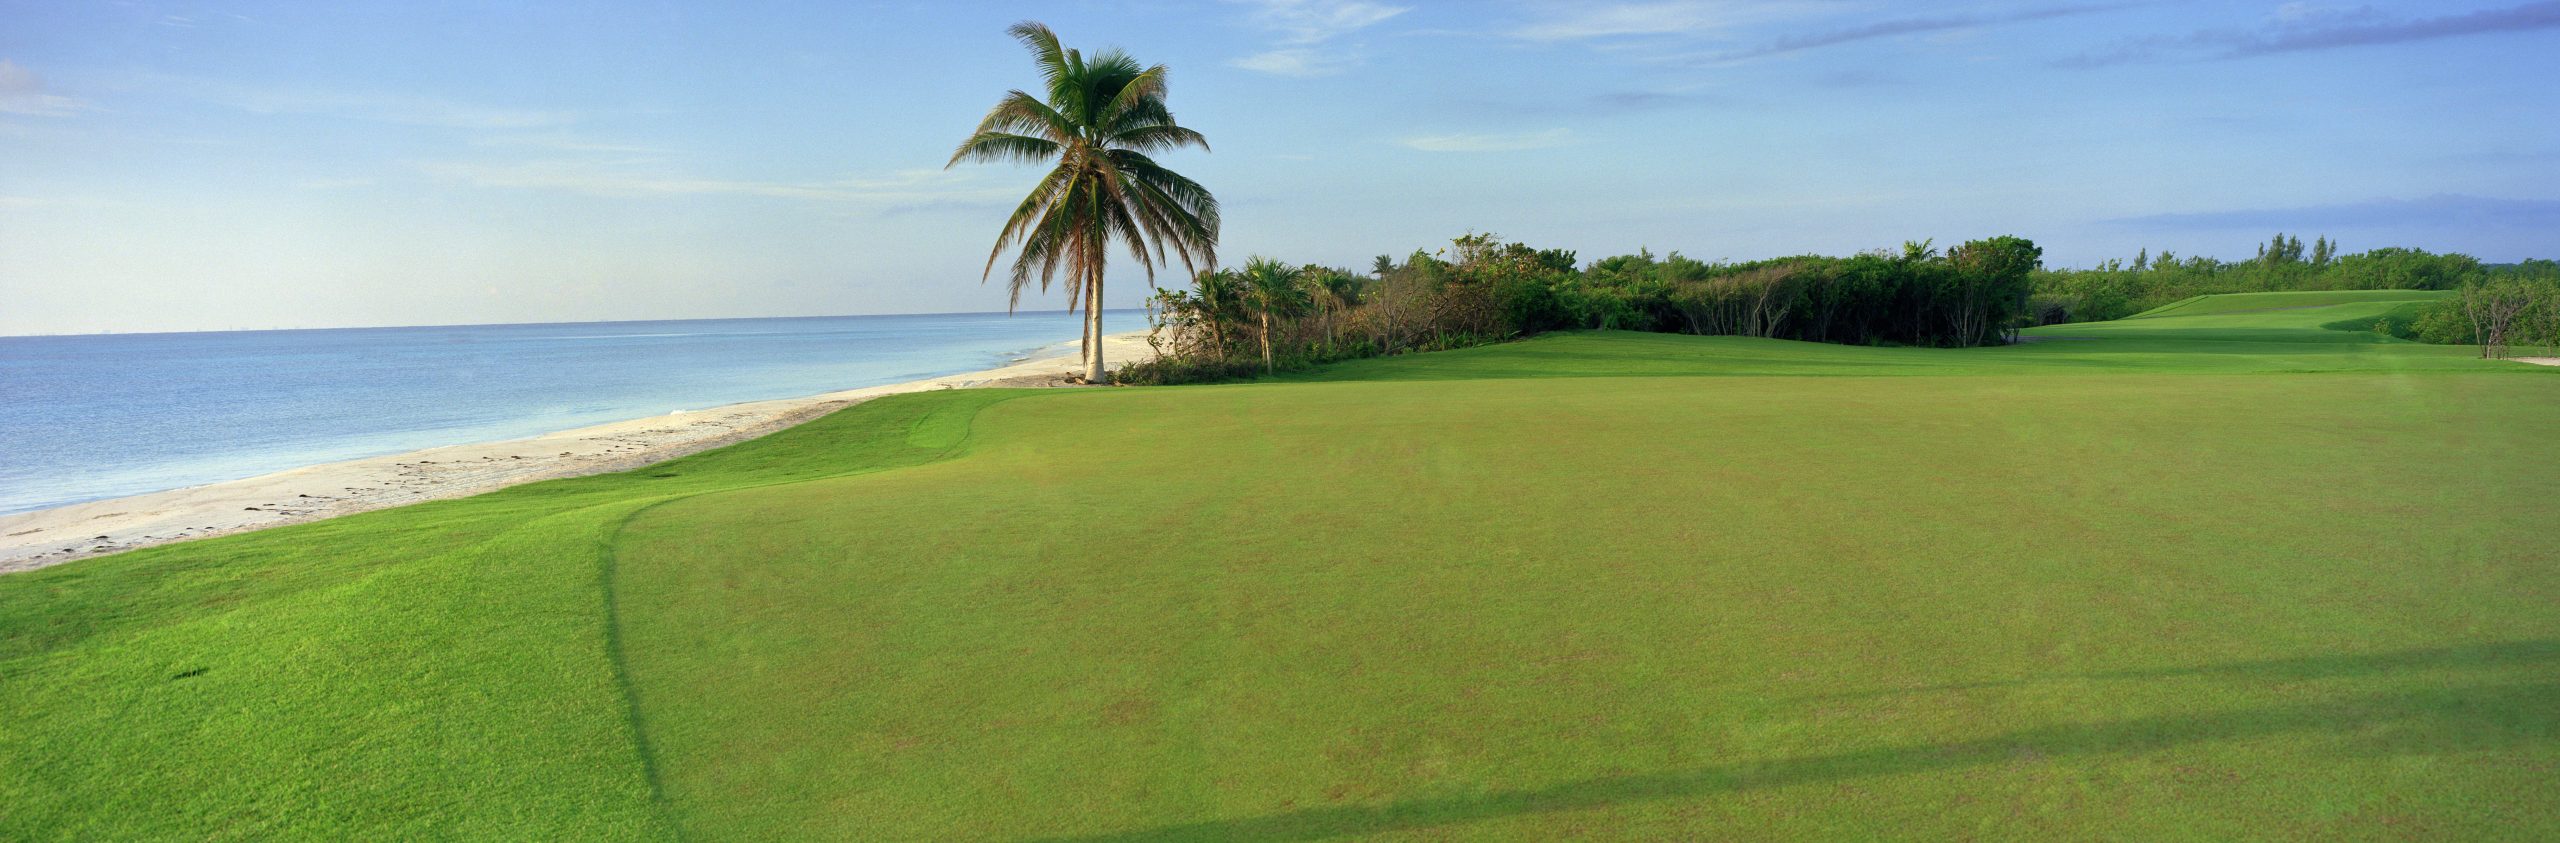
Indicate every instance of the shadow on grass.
{"type": "Point", "coordinates": [2438, 719]}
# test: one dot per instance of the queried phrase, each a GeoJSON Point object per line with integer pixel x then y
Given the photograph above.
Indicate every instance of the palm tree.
{"type": "Point", "coordinates": [1271, 289]}
{"type": "Point", "coordinates": [1221, 300]}
{"type": "Point", "coordinates": [1333, 292]}
{"type": "Point", "coordinates": [1101, 118]}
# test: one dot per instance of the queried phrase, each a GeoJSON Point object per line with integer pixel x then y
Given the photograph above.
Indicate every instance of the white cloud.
{"type": "Point", "coordinates": [1548, 139]}
{"type": "Point", "coordinates": [638, 178]}
{"type": "Point", "coordinates": [1582, 21]}
{"type": "Point", "coordinates": [400, 109]}
{"type": "Point", "coordinates": [1299, 62]}
{"type": "Point", "coordinates": [7, 201]}
{"type": "Point", "coordinates": [1304, 27]}
{"type": "Point", "coordinates": [1317, 21]}
{"type": "Point", "coordinates": [23, 92]}
{"type": "Point", "coordinates": [413, 111]}
{"type": "Point", "coordinates": [334, 184]}
{"type": "Point", "coordinates": [1578, 21]}
{"type": "Point", "coordinates": [564, 142]}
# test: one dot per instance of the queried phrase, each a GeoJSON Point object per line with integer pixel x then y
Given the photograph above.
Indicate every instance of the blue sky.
{"type": "Point", "coordinates": [183, 166]}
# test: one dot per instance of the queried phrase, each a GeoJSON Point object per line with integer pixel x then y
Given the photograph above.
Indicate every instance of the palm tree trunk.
{"type": "Point", "coordinates": [1093, 324]}
{"type": "Point", "coordinates": [1079, 270]}
{"type": "Point", "coordinates": [1266, 342]}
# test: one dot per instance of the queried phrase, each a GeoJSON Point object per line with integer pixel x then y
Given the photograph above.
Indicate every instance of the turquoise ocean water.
{"type": "Point", "coordinates": [90, 417]}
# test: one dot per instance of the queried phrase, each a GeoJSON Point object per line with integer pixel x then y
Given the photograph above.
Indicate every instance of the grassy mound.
{"type": "Point", "coordinates": [2282, 301]}
{"type": "Point", "coordinates": [2139, 580]}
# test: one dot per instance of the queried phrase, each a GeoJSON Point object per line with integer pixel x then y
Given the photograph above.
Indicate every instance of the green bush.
{"type": "Point", "coordinates": [1481, 290]}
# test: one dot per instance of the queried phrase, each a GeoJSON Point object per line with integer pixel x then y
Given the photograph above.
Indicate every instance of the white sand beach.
{"type": "Point", "coordinates": [32, 540]}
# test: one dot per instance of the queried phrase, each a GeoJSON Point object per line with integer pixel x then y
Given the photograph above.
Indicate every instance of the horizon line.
{"type": "Point", "coordinates": [118, 333]}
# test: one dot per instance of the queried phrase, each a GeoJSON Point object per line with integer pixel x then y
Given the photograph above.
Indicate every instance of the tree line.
{"type": "Point", "coordinates": [2116, 289]}
{"type": "Point", "coordinates": [2497, 306]}
{"type": "Point", "coordinates": [1269, 315]}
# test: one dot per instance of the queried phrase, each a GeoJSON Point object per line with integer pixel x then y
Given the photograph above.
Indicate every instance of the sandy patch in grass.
{"type": "Point", "coordinates": [32, 540]}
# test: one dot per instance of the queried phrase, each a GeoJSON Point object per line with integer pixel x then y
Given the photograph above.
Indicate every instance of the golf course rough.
{"type": "Point", "coordinates": [2212, 573]}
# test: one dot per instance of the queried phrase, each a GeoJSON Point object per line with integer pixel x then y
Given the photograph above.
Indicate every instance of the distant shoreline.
{"type": "Point", "coordinates": [47, 537]}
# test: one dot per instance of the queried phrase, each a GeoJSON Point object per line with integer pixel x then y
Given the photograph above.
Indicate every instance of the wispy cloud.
{"type": "Point", "coordinates": [1804, 24]}
{"type": "Point", "coordinates": [380, 107]}
{"type": "Point", "coordinates": [23, 92]}
{"type": "Point", "coordinates": [1609, 20]}
{"type": "Point", "coordinates": [1299, 62]}
{"type": "Point", "coordinates": [334, 184]}
{"type": "Point", "coordinates": [1914, 26]}
{"type": "Point", "coordinates": [2299, 28]}
{"type": "Point", "coordinates": [1305, 29]}
{"type": "Point", "coordinates": [564, 142]}
{"type": "Point", "coordinates": [642, 178]}
{"type": "Point", "coordinates": [9, 201]}
{"type": "Point", "coordinates": [1317, 21]}
{"type": "Point", "coordinates": [1515, 142]}
{"type": "Point", "coordinates": [1604, 104]}
{"type": "Point", "coordinates": [2442, 210]}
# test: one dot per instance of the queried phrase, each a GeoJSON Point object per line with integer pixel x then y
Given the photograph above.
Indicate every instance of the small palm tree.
{"type": "Point", "coordinates": [1332, 292]}
{"type": "Point", "coordinates": [1099, 121]}
{"type": "Point", "coordinates": [1271, 289]}
{"type": "Point", "coordinates": [1221, 296]}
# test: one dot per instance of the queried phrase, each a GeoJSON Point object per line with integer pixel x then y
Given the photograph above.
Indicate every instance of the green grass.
{"type": "Point", "coordinates": [2206, 577]}
{"type": "Point", "coordinates": [2297, 300]}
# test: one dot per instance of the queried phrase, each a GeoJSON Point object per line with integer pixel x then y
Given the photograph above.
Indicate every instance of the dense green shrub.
{"type": "Point", "coordinates": [2441, 323]}
{"type": "Point", "coordinates": [1481, 290]}
{"type": "Point", "coordinates": [2511, 306]}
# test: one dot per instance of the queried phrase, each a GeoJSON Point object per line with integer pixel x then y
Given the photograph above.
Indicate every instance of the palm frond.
{"type": "Point", "coordinates": [1192, 239]}
{"type": "Point", "coordinates": [1157, 138]}
{"type": "Point", "coordinates": [1004, 146]}
{"type": "Point", "coordinates": [1046, 246]}
{"type": "Point", "coordinates": [1184, 193]}
{"type": "Point", "coordinates": [1141, 93]}
{"type": "Point", "coordinates": [1121, 217]}
{"type": "Point", "coordinates": [1018, 113]}
{"type": "Point", "coordinates": [1045, 52]}
{"type": "Point", "coordinates": [1034, 208]}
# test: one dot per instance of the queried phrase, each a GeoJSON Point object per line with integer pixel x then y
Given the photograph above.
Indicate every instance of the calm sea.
{"type": "Point", "coordinates": [90, 417]}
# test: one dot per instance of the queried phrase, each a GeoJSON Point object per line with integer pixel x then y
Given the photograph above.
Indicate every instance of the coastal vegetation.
{"type": "Point", "coordinates": [2115, 289]}
{"type": "Point", "coordinates": [2221, 571]}
{"type": "Point", "coordinates": [2497, 306]}
{"type": "Point", "coordinates": [1242, 323]}
{"type": "Point", "coordinates": [1480, 289]}
{"type": "Point", "coordinates": [1101, 119]}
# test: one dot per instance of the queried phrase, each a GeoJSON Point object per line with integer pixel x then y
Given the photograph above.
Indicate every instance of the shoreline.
{"type": "Point", "coordinates": [48, 537]}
